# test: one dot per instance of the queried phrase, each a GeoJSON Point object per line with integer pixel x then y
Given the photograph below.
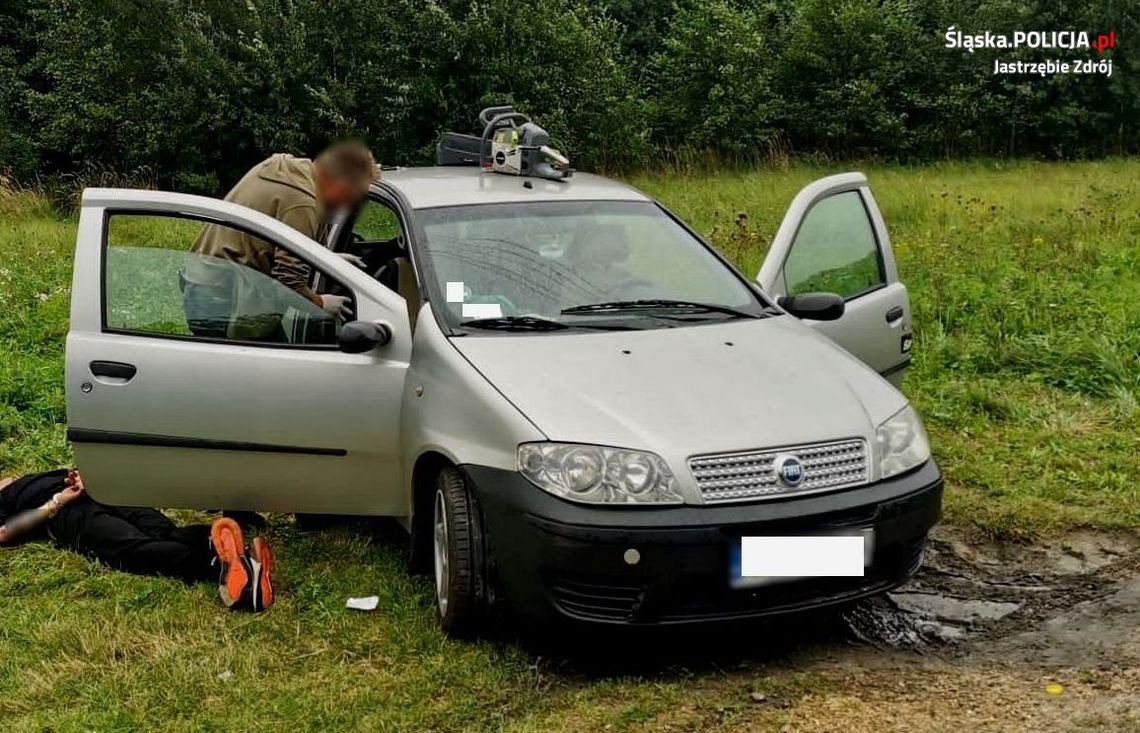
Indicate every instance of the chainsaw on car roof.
{"type": "Point", "coordinates": [511, 143]}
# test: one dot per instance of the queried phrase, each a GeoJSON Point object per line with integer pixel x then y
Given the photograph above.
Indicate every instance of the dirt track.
{"type": "Point", "coordinates": [992, 637]}
{"type": "Point", "coordinates": [987, 637]}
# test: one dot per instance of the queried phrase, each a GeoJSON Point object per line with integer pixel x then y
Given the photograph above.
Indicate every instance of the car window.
{"type": "Point", "coordinates": [163, 278]}
{"type": "Point", "coordinates": [835, 250]}
{"type": "Point", "coordinates": [544, 258]}
{"type": "Point", "coordinates": [376, 222]}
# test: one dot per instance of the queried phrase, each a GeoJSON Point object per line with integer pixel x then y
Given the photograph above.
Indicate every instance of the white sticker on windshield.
{"type": "Point", "coordinates": [454, 292]}
{"type": "Point", "coordinates": [482, 310]}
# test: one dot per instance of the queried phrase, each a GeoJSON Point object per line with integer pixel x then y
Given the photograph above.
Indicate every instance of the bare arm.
{"type": "Point", "coordinates": [25, 522]}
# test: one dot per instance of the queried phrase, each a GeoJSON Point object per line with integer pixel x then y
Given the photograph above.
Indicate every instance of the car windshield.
{"type": "Point", "coordinates": [576, 264]}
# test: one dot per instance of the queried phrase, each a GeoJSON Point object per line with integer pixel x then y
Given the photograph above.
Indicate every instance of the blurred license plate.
{"type": "Point", "coordinates": [758, 561]}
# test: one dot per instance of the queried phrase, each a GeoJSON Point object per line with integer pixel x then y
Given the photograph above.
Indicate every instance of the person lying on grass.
{"type": "Point", "coordinates": [142, 541]}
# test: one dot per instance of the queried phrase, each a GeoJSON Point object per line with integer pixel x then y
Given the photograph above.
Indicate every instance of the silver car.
{"type": "Point", "coordinates": [576, 407]}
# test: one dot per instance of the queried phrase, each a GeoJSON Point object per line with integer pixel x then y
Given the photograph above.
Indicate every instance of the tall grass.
{"type": "Point", "coordinates": [20, 202]}
{"type": "Point", "coordinates": [35, 278]}
{"type": "Point", "coordinates": [1025, 284]}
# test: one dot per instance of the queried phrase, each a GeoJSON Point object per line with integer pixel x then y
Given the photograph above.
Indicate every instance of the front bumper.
{"type": "Point", "coordinates": [556, 559]}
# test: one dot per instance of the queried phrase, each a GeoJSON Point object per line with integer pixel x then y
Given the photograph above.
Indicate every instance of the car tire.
{"type": "Point", "coordinates": [457, 567]}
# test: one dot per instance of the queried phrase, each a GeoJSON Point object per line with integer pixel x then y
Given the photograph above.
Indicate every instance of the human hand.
{"type": "Point", "coordinates": [3, 535]}
{"type": "Point", "coordinates": [74, 488]}
{"type": "Point", "coordinates": [337, 305]}
{"type": "Point", "coordinates": [353, 259]}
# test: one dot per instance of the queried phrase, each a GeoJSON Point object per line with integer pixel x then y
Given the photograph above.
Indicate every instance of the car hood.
{"type": "Point", "coordinates": [735, 385]}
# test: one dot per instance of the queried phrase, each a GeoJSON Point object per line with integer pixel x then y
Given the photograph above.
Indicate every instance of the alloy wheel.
{"type": "Point", "coordinates": [439, 550]}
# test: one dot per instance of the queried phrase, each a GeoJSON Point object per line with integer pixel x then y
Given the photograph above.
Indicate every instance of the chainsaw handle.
{"type": "Point", "coordinates": [494, 123]}
{"type": "Point", "coordinates": [486, 115]}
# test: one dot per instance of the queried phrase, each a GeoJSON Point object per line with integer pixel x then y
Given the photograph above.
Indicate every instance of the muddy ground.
{"type": "Point", "coordinates": [988, 637]}
{"type": "Point", "coordinates": [1001, 637]}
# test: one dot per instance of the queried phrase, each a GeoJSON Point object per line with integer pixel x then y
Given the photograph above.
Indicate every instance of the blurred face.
{"type": "Point", "coordinates": [336, 193]}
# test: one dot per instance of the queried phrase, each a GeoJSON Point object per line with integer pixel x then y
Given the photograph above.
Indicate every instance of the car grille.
{"type": "Point", "coordinates": [602, 598]}
{"type": "Point", "coordinates": [750, 475]}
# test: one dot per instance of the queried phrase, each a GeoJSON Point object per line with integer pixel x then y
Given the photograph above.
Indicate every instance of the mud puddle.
{"type": "Point", "coordinates": [995, 638]}
{"type": "Point", "coordinates": [1074, 600]}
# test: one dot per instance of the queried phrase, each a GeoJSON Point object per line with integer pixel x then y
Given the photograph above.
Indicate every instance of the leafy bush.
{"type": "Point", "coordinates": [710, 83]}
{"type": "Point", "coordinates": [195, 91]}
{"type": "Point", "coordinates": [844, 71]}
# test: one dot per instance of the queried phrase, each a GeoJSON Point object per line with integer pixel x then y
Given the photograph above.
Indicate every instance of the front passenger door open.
{"type": "Point", "coordinates": [833, 239]}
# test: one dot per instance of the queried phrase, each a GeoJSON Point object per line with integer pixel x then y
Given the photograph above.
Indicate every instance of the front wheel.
{"type": "Point", "coordinates": [455, 544]}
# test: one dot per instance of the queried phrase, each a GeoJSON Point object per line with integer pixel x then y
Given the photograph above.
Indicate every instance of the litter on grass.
{"type": "Point", "coordinates": [368, 603]}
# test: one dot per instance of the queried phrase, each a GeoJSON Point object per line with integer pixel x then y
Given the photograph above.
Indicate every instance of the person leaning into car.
{"type": "Point", "coordinates": [224, 301]}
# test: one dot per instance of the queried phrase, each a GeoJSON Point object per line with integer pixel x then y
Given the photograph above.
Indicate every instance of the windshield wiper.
{"type": "Point", "coordinates": [515, 323]}
{"type": "Point", "coordinates": [538, 323]}
{"type": "Point", "coordinates": [653, 304]}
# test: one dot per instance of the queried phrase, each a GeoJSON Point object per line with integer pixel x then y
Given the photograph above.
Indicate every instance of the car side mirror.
{"type": "Point", "coordinates": [357, 337]}
{"type": "Point", "coordinates": [814, 306]}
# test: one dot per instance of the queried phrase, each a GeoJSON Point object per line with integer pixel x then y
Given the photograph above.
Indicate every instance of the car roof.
{"type": "Point", "coordinates": [431, 187]}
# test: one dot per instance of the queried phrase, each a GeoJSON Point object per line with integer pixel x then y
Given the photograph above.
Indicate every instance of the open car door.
{"type": "Point", "coordinates": [833, 240]}
{"type": "Point", "coordinates": [193, 381]}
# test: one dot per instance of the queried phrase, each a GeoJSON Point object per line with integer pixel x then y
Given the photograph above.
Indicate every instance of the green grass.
{"type": "Point", "coordinates": [1025, 285]}
{"type": "Point", "coordinates": [35, 285]}
{"type": "Point", "coordinates": [1025, 282]}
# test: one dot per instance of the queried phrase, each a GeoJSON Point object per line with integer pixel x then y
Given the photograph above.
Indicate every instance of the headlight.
{"type": "Point", "coordinates": [596, 475]}
{"type": "Point", "coordinates": [902, 443]}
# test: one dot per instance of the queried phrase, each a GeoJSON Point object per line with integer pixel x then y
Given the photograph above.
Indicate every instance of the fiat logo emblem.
{"type": "Point", "coordinates": [789, 470]}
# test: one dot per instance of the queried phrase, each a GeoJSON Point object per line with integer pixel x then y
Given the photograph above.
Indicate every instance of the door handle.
{"type": "Point", "coordinates": [114, 370]}
{"type": "Point", "coordinates": [894, 314]}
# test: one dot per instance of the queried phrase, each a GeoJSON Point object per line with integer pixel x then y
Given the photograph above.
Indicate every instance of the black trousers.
{"type": "Point", "coordinates": [142, 541]}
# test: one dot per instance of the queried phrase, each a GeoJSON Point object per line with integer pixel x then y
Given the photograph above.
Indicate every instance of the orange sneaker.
{"type": "Point", "coordinates": [234, 579]}
{"type": "Point", "coordinates": [262, 562]}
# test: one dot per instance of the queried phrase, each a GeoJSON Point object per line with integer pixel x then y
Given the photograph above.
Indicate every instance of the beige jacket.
{"type": "Point", "coordinates": [282, 187]}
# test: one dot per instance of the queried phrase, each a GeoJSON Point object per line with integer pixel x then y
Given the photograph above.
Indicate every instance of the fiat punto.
{"type": "Point", "coordinates": [576, 407]}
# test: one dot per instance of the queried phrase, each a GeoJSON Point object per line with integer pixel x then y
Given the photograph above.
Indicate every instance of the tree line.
{"type": "Point", "coordinates": [194, 91]}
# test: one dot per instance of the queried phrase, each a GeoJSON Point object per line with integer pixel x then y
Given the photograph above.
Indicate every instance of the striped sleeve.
{"type": "Point", "coordinates": [288, 269]}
